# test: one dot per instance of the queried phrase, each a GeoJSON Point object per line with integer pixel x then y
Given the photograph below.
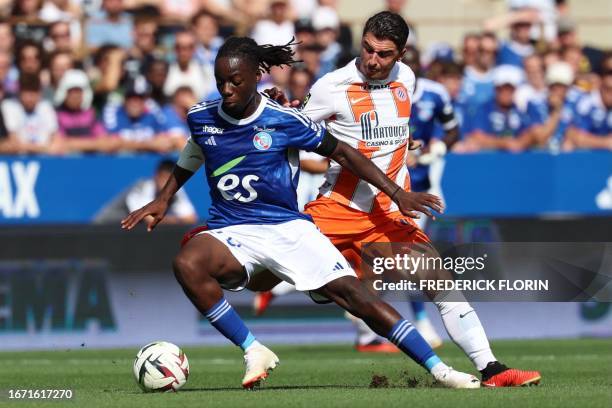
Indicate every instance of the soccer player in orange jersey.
{"type": "Point", "coordinates": [367, 104]}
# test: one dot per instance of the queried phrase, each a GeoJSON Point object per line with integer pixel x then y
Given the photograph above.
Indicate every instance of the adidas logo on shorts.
{"type": "Point", "coordinates": [338, 267]}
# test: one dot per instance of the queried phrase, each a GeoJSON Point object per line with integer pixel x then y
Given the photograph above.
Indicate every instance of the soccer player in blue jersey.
{"type": "Point", "coordinates": [249, 145]}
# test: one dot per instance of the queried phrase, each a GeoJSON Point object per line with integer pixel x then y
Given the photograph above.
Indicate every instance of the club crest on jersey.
{"type": "Point", "coordinates": [401, 94]}
{"type": "Point", "coordinates": [262, 140]}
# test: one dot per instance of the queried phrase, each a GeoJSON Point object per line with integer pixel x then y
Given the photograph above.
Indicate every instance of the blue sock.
{"type": "Point", "coordinates": [418, 308]}
{"type": "Point", "coordinates": [224, 318]}
{"type": "Point", "coordinates": [410, 341]}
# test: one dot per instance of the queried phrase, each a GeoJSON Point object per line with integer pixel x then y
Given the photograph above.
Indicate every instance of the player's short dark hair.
{"type": "Point", "coordinates": [166, 165]}
{"type": "Point", "coordinates": [388, 26]}
{"type": "Point", "coordinates": [29, 82]}
{"type": "Point", "coordinates": [262, 57]}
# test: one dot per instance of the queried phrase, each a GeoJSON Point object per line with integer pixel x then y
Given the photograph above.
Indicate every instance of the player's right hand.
{"type": "Point", "coordinates": [409, 202]}
{"type": "Point", "coordinates": [156, 210]}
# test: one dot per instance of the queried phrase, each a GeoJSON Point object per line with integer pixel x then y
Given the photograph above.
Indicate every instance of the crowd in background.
{"type": "Point", "coordinates": [120, 75]}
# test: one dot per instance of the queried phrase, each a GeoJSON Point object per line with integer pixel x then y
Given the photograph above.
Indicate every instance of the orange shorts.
{"type": "Point", "coordinates": [348, 228]}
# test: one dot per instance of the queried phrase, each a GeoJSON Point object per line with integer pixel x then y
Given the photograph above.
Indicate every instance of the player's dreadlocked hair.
{"type": "Point", "coordinates": [263, 57]}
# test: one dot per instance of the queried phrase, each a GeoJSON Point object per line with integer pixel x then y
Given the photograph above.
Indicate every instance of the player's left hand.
{"type": "Point", "coordinates": [279, 96]}
{"type": "Point", "coordinates": [154, 213]}
{"type": "Point", "coordinates": [409, 202]}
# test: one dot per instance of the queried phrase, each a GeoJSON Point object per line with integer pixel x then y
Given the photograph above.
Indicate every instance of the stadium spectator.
{"type": "Point", "coordinates": [7, 39]}
{"type": "Point", "coordinates": [568, 37]}
{"type": "Point", "coordinates": [499, 124]}
{"type": "Point", "coordinates": [513, 51]}
{"type": "Point", "coordinates": [65, 30]}
{"type": "Point", "coordinates": [79, 128]}
{"type": "Point", "coordinates": [180, 211]}
{"type": "Point", "coordinates": [311, 57]}
{"type": "Point", "coordinates": [60, 38]}
{"type": "Point", "coordinates": [186, 71]}
{"type": "Point", "coordinates": [585, 78]}
{"type": "Point", "coordinates": [451, 78]}
{"type": "Point", "coordinates": [304, 32]}
{"type": "Point", "coordinates": [326, 24]}
{"type": "Point", "coordinates": [31, 119]}
{"type": "Point", "coordinates": [156, 73]}
{"type": "Point", "coordinates": [592, 128]}
{"type": "Point", "coordinates": [206, 30]}
{"type": "Point", "coordinates": [277, 29]}
{"type": "Point", "coordinates": [534, 90]}
{"type": "Point", "coordinates": [138, 127]}
{"type": "Point", "coordinates": [110, 26]}
{"type": "Point", "coordinates": [300, 80]}
{"type": "Point", "coordinates": [27, 9]}
{"type": "Point", "coordinates": [175, 115]}
{"type": "Point", "coordinates": [553, 116]}
{"type": "Point", "coordinates": [469, 49]}
{"type": "Point", "coordinates": [142, 52]}
{"type": "Point", "coordinates": [29, 58]}
{"type": "Point", "coordinates": [106, 75]}
{"type": "Point", "coordinates": [477, 87]}
{"type": "Point", "coordinates": [59, 63]}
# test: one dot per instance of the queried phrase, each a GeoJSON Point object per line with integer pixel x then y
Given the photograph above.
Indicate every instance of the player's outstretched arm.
{"type": "Point", "coordinates": [351, 159]}
{"type": "Point", "coordinates": [189, 162]}
{"type": "Point", "coordinates": [157, 208]}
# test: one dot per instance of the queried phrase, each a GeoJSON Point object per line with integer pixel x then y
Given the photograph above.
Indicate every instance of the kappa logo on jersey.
{"type": "Point", "coordinates": [210, 141]}
{"type": "Point", "coordinates": [212, 129]}
{"type": "Point", "coordinates": [262, 140]}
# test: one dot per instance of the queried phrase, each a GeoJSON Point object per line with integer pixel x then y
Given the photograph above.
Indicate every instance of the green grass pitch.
{"type": "Point", "coordinates": [575, 373]}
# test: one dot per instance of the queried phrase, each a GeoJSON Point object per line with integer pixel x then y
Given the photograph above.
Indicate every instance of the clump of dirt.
{"type": "Point", "coordinates": [379, 381]}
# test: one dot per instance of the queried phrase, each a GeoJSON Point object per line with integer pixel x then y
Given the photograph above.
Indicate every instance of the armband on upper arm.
{"type": "Point", "coordinates": [327, 146]}
{"type": "Point", "coordinates": [191, 157]}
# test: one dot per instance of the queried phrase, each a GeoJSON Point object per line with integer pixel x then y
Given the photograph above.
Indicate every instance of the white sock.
{"type": "Point", "coordinates": [283, 288]}
{"type": "Point", "coordinates": [253, 344]}
{"type": "Point", "coordinates": [464, 328]}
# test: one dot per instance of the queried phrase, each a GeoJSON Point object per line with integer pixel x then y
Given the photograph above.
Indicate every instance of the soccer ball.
{"type": "Point", "coordinates": [161, 366]}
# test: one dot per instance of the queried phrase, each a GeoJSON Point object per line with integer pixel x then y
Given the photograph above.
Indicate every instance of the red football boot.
{"type": "Point", "coordinates": [261, 302]}
{"type": "Point", "coordinates": [510, 377]}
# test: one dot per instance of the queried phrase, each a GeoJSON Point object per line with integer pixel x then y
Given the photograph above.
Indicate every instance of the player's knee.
{"type": "Point", "coordinates": [186, 269]}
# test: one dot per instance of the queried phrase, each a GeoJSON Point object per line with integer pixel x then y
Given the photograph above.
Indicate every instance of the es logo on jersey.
{"type": "Point", "coordinates": [262, 140]}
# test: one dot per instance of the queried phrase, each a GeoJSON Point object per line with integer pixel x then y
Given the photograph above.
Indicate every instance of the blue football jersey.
{"type": "Point", "coordinates": [592, 115]}
{"type": "Point", "coordinates": [145, 127]}
{"type": "Point", "coordinates": [252, 164]}
{"type": "Point", "coordinates": [490, 119]}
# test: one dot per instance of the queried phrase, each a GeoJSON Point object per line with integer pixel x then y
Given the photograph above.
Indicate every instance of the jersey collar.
{"type": "Point", "coordinates": [243, 121]}
{"type": "Point", "coordinates": [392, 74]}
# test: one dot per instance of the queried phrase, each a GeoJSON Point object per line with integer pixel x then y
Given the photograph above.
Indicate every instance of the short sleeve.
{"type": "Point", "coordinates": [319, 104]}
{"type": "Point", "coordinates": [302, 133]}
